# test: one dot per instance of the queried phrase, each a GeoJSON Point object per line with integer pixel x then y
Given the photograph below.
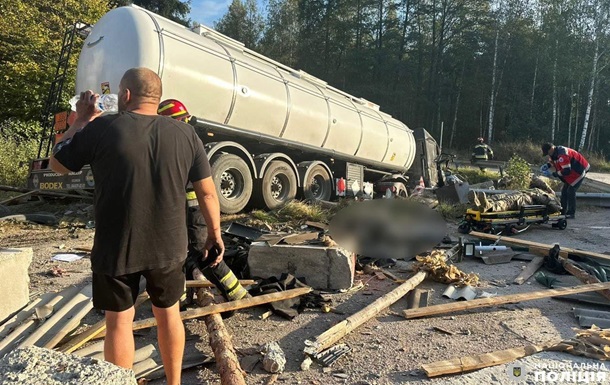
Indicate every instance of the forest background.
{"type": "Point", "coordinates": [516, 72]}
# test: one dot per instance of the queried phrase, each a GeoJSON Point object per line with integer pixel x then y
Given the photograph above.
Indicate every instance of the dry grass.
{"type": "Point", "coordinates": [294, 211]}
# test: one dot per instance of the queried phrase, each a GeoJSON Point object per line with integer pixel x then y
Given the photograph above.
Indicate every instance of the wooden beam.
{"type": "Point", "coordinates": [494, 301]}
{"type": "Point", "coordinates": [89, 334]}
{"type": "Point", "coordinates": [340, 330]}
{"type": "Point", "coordinates": [224, 307]}
{"type": "Point", "coordinates": [207, 284]}
{"type": "Point", "coordinates": [467, 364]}
{"type": "Point", "coordinates": [536, 245]}
{"type": "Point", "coordinates": [9, 200]}
{"type": "Point", "coordinates": [529, 270]}
{"type": "Point", "coordinates": [220, 341]}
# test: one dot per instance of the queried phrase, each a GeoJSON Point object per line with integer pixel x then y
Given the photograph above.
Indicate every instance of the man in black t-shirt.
{"type": "Point", "coordinates": [141, 163]}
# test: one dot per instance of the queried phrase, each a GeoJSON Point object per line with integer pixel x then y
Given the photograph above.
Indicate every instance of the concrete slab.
{"type": "Point", "coordinates": [14, 279]}
{"type": "Point", "coordinates": [324, 268]}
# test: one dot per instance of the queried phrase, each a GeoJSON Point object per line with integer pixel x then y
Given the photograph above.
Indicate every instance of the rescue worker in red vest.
{"type": "Point", "coordinates": [481, 152]}
{"type": "Point", "coordinates": [570, 167]}
{"type": "Point", "coordinates": [220, 275]}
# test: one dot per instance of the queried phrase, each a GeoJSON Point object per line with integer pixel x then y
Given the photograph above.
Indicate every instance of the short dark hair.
{"type": "Point", "coordinates": [546, 147]}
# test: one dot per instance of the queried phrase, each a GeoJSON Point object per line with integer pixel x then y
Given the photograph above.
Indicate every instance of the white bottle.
{"type": "Point", "coordinates": [108, 103]}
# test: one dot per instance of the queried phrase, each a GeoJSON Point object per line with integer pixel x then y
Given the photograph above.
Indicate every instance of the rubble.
{"type": "Point", "coordinates": [34, 365]}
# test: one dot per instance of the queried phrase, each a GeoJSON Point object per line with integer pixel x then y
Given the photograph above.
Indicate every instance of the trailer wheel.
{"type": "Point", "coordinates": [318, 186]}
{"type": "Point", "coordinates": [279, 185]}
{"type": "Point", "coordinates": [233, 182]}
{"type": "Point", "coordinates": [562, 224]}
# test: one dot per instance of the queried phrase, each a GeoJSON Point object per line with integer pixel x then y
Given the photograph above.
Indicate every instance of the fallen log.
{"type": "Point", "coordinates": [224, 307]}
{"type": "Point", "coordinates": [220, 341]}
{"type": "Point", "coordinates": [335, 333]}
{"type": "Point", "coordinates": [529, 270]}
{"type": "Point", "coordinates": [535, 245]}
{"type": "Point", "coordinates": [467, 364]}
{"type": "Point", "coordinates": [494, 301]}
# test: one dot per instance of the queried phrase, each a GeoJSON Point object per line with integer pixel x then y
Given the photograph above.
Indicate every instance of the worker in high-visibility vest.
{"type": "Point", "coordinates": [481, 152]}
{"type": "Point", "coordinates": [220, 275]}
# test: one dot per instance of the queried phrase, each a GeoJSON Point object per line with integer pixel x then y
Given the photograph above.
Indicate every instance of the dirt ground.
{"type": "Point", "coordinates": [387, 349]}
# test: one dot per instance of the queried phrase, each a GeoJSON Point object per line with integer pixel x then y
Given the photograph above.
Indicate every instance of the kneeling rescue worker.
{"type": "Point", "coordinates": [220, 275]}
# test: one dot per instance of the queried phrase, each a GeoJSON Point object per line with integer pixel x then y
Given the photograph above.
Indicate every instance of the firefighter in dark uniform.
{"type": "Point", "coordinates": [481, 152]}
{"type": "Point", "coordinates": [221, 275]}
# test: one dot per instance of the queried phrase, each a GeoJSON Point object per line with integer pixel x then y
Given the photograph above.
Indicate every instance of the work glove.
{"type": "Point", "coordinates": [544, 170]}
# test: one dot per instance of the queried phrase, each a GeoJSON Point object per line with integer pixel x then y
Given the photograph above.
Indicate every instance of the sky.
{"type": "Point", "coordinates": [207, 12]}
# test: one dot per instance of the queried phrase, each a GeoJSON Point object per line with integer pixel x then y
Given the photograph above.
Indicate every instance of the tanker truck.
{"type": "Point", "coordinates": [272, 133]}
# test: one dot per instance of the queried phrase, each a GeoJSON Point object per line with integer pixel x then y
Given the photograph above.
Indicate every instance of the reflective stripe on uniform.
{"type": "Point", "coordinates": [190, 195]}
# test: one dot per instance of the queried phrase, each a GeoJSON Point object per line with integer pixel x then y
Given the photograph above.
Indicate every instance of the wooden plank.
{"type": "Point", "coordinates": [224, 307]}
{"type": "Point", "coordinates": [466, 364]}
{"type": "Point", "coordinates": [494, 301]}
{"type": "Point", "coordinates": [529, 270]}
{"type": "Point", "coordinates": [340, 330]}
{"type": "Point", "coordinates": [536, 245]}
{"type": "Point", "coordinates": [17, 197]}
{"type": "Point", "coordinates": [89, 334]}
{"type": "Point", "coordinates": [206, 284]}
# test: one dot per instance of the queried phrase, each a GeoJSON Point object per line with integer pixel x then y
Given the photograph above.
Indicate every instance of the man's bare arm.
{"type": "Point", "coordinates": [210, 208]}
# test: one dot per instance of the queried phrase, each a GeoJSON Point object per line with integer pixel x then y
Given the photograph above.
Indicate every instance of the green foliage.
{"type": "Point", "coordinates": [175, 10]}
{"type": "Point", "coordinates": [243, 22]}
{"type": "Point", "coordinates": [519, 172]}
{"type": "Point", "coordinates": [451, 211]}
{"type": "Point", "coordinates": [294, 211]}
{"type": "Point", "coordinates": [31, 34]}
{"type": "Point", "coordinates": [16, 152]}
{"type": "Point", "coordinates": [474, 175]}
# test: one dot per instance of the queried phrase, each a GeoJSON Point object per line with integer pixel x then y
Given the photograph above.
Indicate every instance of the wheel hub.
{"type": "Point", "coordinates": [276, 187]}
{"type": "Point", "coordinates": [227, 184]}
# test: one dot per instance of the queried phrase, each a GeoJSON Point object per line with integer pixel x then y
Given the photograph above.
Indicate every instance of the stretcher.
{"type": "Point", "coordinates": [510, 222]}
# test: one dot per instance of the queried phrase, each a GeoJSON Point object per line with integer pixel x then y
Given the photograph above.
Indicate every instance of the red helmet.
{"type": "Point", "coordinates": [174, 109]}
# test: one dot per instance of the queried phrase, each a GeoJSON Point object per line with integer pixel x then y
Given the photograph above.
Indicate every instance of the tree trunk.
{"type": "Point", "coordinates": [534, 88]}
{"type": "Point", "coordinates": [457, 105]}
{"type": "Point", "coordinates": [570, 118]}
{"type": "Point", "coordinates": [585, 125]}
{"type": "Point", "coordinates": [554, 119]}
{"type": "Point", "coordinates": [222, 346]}
{"type": "Point", "coordinates": [492, 98]}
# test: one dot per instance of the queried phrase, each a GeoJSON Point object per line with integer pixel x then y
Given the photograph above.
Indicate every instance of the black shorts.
{"type": "Point", "coordinates": [165, 286]}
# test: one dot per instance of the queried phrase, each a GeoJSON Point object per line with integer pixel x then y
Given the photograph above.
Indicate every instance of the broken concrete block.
{"type": "Point", "coordinates": [324, 268]}
{"type": "Point", "coordinates": [33, 365]}
{"type": "Point", "coordinates": [14, 279]}
{"type": "Point", "coordinates": [274, 360]}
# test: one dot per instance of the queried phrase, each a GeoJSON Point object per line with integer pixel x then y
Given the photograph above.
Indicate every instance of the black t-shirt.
{"type": "Point", "coordinates": [141, 165]}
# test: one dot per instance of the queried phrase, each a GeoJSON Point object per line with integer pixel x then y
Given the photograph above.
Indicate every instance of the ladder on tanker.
{"type": "Point", "coordinates": [54, 97]}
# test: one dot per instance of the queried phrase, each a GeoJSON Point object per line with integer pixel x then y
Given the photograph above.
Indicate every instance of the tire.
{"type": "Point", "coordinates": [562, 224]}
{"type": "Point", "coordinates": [278, 185]}
{"type": "Point", "coordinates": [318, 186]}
{"type": "Point", "coordinates": [233, 182]}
